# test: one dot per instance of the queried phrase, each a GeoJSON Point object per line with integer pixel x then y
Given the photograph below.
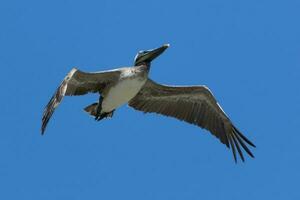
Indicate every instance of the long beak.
{"type": "Point", "coordinates": [154, 53]}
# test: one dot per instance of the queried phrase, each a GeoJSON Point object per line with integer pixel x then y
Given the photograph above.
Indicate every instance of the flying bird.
{"type": "Point", "coordinates": [193, 104]}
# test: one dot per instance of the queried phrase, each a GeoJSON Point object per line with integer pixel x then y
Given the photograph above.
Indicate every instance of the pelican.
{"type": "Point", "coordinates": [131, 85]}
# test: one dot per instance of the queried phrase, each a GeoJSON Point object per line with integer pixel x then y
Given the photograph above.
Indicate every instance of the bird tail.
{"type": "Point", "coordinates": [91, 109]}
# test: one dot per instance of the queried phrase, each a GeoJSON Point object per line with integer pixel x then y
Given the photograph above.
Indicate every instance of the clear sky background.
{"type": "Point", "coordinates": [247, 52]}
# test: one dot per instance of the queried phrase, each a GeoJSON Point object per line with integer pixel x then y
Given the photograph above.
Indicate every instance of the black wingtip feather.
{"type": "Point", "coordinates": [224, 134]}
{"type": "Point", "coordinates": [232, 148]}
{"type": "Point", "coordinates": [243, 137]}
{"type": "Point", "coordinates": [238, 147]}
{"type": "Point", "coordinates": [243, 145]}
{"type": "Point", "coordinates": [50, 107]}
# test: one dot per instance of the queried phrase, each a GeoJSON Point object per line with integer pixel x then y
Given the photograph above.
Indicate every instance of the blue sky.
{"type": "Point", "coordinates": [247, 52]}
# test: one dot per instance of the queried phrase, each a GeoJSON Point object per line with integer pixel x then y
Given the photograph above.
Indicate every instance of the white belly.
{"type": "Point", "coordinates": [121, 93]}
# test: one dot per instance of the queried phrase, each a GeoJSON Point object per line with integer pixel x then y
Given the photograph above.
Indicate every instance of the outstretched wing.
{"type": "Point", "coordinates": [195, 105]}
{"type": "Point", "coordinates": [78, 83]}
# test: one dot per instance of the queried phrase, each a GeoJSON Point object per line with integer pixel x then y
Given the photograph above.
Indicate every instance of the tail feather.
{"type": "Point", "coordinates": [92, 109]}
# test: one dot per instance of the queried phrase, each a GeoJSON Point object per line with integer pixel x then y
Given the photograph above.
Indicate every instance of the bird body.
{"type": "Point", "coordinates": [130, 82]}
{"type": "Point", "coordinates": [193, 104]}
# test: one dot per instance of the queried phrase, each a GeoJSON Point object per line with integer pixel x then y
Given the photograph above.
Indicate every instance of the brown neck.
{"type": "Point", "coordinates": [146, 64]}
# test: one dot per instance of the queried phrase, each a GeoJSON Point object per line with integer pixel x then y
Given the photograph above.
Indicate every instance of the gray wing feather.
{"type": "Point", "coordinates": [78, 83]}
{"type": "Point", "coordinates": [192, 104]}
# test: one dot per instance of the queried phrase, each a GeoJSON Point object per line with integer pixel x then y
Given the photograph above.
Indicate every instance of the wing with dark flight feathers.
{"type": "Point", "coordinates": [195, 105]}
{"type": "Point", "coordinates": [78, 83]}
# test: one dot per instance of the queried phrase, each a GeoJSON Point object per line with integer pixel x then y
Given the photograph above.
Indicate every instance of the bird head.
{"type": "Point", "coordinates": [147, 56]}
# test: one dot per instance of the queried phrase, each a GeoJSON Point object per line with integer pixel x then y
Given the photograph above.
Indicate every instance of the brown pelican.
{"type": "Point", "coordinates": [192, 104]}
